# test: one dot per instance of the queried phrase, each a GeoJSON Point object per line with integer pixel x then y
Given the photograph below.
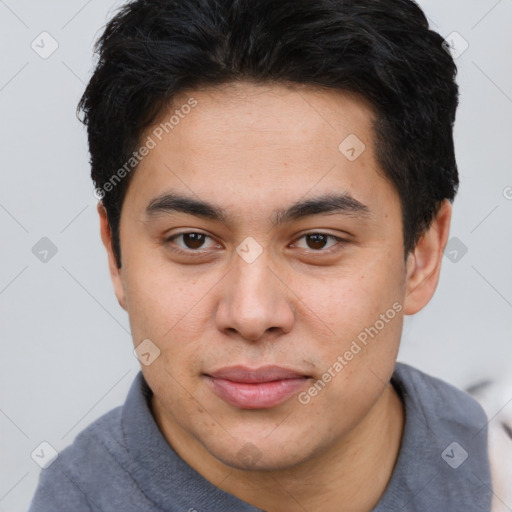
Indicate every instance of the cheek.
{"type": "Point", "coordinates": [164, 308]}
{"type": "Point", "coordinates": [365, 312]}
{"type": "Point", "coordinates": [161, 295]}
{"type": "Point", "coordinates": [167, 309]}
{"type": "Point", "coordinates": [356, 297]}
{"type": "Point", "coordinates": [356, 367]}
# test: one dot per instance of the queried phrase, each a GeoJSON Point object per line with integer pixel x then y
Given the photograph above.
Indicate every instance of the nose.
{"type": "Point", "coordinates": [255, 300]}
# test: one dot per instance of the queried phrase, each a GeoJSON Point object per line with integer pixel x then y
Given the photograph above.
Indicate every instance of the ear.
{"type": "Point", "coordinates": [424, 262]}
{"type": "Point", "coordinates": [115, 272]}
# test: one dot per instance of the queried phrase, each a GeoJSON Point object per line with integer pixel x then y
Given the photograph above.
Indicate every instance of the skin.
{"type": "Point", "coordinates": [252, 149]}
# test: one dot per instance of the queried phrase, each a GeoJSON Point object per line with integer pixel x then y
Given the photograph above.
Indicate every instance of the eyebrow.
{"type": "Point", "coordinates": [326, 204]}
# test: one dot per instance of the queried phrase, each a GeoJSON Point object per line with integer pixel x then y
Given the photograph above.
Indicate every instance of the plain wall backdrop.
{"type": "Point", "coordinates": [66, 345]}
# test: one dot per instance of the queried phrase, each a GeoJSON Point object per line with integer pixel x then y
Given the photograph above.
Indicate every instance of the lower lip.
{"type": "Point", "coordinates": [260, 395]}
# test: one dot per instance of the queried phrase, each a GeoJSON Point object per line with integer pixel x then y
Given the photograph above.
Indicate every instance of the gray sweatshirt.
{"type": "Point", "coordinates": [122, 462]}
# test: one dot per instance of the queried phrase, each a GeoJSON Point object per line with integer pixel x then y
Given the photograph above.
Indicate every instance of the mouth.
{"type": "Point", "coordinates": [256, 388]}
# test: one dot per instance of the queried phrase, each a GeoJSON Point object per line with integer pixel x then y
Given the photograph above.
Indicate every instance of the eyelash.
{"type": "Point", "coordinates": [191, 252]}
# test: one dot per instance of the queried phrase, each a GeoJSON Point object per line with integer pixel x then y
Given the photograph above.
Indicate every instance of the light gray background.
{"type": "Point", "coordinates": [66, 346]}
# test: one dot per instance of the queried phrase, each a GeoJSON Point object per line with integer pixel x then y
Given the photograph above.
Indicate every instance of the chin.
{"type": "Point", "coordinates": [261, 455]}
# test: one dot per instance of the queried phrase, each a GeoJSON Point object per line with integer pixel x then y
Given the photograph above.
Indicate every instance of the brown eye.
{"type": "Point", "coordinates": [190, 242]}
{"type": "Point", "coordinates": [319, 241]}
{"type": "Point", "coordinates": [316, 241]}
{"type": "Point", "coordinates": [193, 240]}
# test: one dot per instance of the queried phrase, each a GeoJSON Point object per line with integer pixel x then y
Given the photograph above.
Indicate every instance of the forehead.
{"type": "Point", "coordinates": [289, 115]}
{"type": "Point", "coordinates": [249, 146]}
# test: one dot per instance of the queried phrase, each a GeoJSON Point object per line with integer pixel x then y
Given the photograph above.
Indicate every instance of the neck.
{"type": "Point", "coordinates": [351, 475]}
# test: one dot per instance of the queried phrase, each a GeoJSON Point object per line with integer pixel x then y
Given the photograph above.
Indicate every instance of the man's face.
{"type": "Point", "coordinates": [259, 288]}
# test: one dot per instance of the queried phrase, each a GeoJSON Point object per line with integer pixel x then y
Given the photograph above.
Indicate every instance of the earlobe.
{"type": "Point", "coordinates": [115, 272]}
{"type": "Point", "coordinates": [423, 264]}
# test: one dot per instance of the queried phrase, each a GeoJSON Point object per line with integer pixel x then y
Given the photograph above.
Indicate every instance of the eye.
{"type": "Point", "coordinates": [317, 242]}
{"type": "Point", "coordinates": [196, 242]}
{"type": "Point", "coordinates": [192, 241]}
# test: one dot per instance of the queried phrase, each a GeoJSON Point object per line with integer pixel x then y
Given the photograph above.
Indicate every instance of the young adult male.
{"type": "Point", "coordinates": [275, 183]}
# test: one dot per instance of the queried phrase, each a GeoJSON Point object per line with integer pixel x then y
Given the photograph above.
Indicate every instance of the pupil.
{"type": "Point", "coordinates": [318, 241]}
{"type": "Point", "coordinates": [193, 240]}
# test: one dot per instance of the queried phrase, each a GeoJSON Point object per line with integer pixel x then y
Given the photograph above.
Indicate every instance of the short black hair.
{"type": "Point", "coordinates": [152, 50]}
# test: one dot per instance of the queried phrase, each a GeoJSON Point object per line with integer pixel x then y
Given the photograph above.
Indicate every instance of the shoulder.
{"type": "Point", "coordinates": [444, 444]}
{"type": "Point", "coordinates": [97, 444]}
{"type": "Point", "coordinates": [99, 455]}
{"type": "Point", "coordinates": [82, 466]}
{"type": "Point", "coordinates": [438, 400]}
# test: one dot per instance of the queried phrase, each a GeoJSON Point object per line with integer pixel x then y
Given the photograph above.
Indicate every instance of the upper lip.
{"type": "Point", "coordinates": [254, 375]}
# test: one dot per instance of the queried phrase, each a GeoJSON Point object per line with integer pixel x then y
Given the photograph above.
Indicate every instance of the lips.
{"type": "Point", "coordinates": [260, 388]}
